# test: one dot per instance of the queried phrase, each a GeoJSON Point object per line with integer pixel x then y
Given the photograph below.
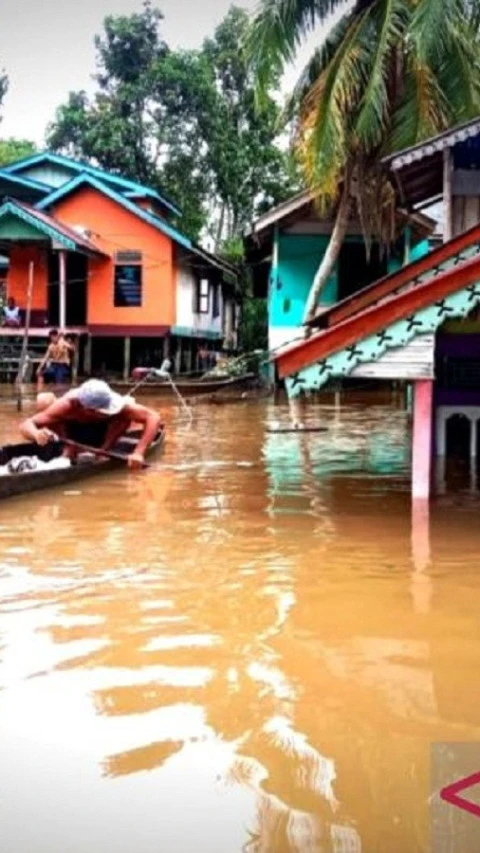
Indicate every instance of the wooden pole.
{"type": "Point", "coordinates": [422, 439]}
{"type": "Point", "coordinates": [87, 357]}
{"type": "Point", "coordinates": [447, 195]}
{"type": "Point", "coordinates": [126, 359]}
{"type": "Point", "coordinates": [24, 352]}
{"type": "Point", "coordinates": [62, 268]}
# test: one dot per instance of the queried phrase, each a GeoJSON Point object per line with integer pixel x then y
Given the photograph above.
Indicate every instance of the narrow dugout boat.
{"type": "Point", "coordinates": [26, 480]}
{"type": "Point", "coordinates": [186, 387]}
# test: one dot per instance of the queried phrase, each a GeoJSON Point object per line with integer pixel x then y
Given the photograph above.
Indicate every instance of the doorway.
{"type": "Point", "coordinates": [76, 296]}
{"type": "Point", "coordinates": [355, 271]}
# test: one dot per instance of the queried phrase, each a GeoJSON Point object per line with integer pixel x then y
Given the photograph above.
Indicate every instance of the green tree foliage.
{"type": "Point", "coordinates": [390, 74]}
{"type": "Point", "coordinates": [3, 86]}
{"type": "Point", "coordinates": [12, 149]}
{"type": "Point", "coordinates": [182, 121]}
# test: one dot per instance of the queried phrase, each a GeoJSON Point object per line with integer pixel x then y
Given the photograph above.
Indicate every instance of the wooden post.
{"type": "Point", "coordinates": [62, 289]}
{"type": "Point", "coordinates": [75, 359]}
{"type": "Point", "coordinates": [178, 356]}
{"type": "Point", "coordinates": [408, 245]}
{"type": "Point", "coordinates": [189, 356]}
{"type": "Point", "coordinates": [126, 359]}
{"type": "Point", "coordinates": [87, 357]}
{"type": "Point", "coordinates": [24, 352]}
{"type": "Point", "coordinates": [447, 195]}
{"type": "Point", "coordinates": [421, 585]}
{"type": "Point", "coordinates": [422, 439]}
{"type": "Point", "coordinates": [408, 398]}
{"type": "Point", "coordinates": [166, 347]}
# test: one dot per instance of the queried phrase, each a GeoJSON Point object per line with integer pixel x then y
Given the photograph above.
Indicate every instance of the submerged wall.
{"type": "Point", "coordinates": [298, 258]}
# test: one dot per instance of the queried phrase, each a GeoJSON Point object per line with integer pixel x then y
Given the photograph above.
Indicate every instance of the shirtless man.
{"type": "Point", "coordinates": [55, 364]}
{"type": "Point", "coordinates": [94, 415]}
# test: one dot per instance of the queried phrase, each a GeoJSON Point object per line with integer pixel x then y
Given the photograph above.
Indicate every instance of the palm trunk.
{"type": "Point", "coordinates": [331, 255]}
{"type": "Point", "coordinates": [218, 239]}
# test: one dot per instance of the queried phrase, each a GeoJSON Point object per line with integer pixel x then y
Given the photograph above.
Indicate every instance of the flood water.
{"type": "Point", "coordinates": [240, 649]}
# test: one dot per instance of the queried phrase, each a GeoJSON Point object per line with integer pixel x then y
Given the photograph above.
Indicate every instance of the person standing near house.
{"type": "Point", "coordinates": [11, 313]}
{"type": "Point", "coordinates": [55, 365]}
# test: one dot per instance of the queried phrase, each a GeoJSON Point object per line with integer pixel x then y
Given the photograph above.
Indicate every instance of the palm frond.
{"type": "Point", "coordinates": [389, 21]}
{"type": "Point", "coordinates": [459, 74]}
{"type": "Point", "coordinates": [277, 31]}
{"type": "Point", "coordinates": [430, 28]}
{"type": "Point", "coordinates": [328, 109]}
{"type": "Point", "coordinates": [421, 113]}
{"type": "Point", "coordinates": [472, 12]}
{"type": "Point", "coordinates": [316, 65]}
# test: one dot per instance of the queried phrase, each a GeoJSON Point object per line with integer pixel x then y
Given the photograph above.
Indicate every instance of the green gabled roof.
{"type": "Point", "coordinates": [19, 221]}
{"type": "Point", "coordinates": [124, 185]}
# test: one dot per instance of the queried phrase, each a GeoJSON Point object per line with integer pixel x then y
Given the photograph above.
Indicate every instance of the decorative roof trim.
{"type": "Point", "coordinates": [49, 231]}
{"type": "Point", "coordinates": [372, 348]}
{"type": "Point", "coordinates": [374, 318]}
{"type": "Point", "coordinates": [432, 146]}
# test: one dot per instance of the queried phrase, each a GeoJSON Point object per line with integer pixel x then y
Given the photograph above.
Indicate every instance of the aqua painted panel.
{"type": "Point", "coordinates": [13, 228]}
{"type": "Point", "coordinates": [51, 174]}
{"type": "Point", "coordinates": [397, 335]}
{"type": "Point", "coordinates": [418, 251]}
{"type": "Point", "coordinates": [299, 256]}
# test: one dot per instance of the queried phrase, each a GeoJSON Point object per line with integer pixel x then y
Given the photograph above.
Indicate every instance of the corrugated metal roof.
{"type": "Point", "coordinates": [435, 144]}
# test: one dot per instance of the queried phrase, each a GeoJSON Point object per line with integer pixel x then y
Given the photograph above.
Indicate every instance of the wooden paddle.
{"type": "Point", "coordinates": [296, 429]}
{"type": "Point", "coordinates": [98, 451]}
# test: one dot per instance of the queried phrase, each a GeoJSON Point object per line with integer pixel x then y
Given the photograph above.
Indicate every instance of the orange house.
{"type": "Point", "coordinates": [101, 258]}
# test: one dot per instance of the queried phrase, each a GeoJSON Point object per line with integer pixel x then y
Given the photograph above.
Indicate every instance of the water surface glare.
{"type": "Point", "coordinates": [242, 649]}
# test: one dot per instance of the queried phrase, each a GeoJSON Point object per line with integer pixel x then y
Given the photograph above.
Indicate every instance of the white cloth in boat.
{"type": "Point", "coordinates": [32, 464]}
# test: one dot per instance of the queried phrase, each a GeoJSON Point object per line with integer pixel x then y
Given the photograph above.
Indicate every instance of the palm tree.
{"type": "Point", "coordinates": [389, 74]}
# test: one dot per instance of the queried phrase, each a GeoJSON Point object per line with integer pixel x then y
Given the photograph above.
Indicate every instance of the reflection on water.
{"type": "Point", "coordinates": [245, 648]}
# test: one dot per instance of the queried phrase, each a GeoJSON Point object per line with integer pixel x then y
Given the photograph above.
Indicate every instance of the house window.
{"type": "Point", "coordinates": [128, 280]}
{"type": "Point", "coordinates": [216, 300]}
{"type": "Point", "coordinates": [202, 297]}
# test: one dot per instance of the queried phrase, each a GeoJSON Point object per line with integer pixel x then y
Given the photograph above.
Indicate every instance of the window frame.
{"type": "Point", "coordinates": [202, 296]}
{"type": "Point", "coordinates": [216, 300]}
{"type": "Point", "coordinates": [127, 260]}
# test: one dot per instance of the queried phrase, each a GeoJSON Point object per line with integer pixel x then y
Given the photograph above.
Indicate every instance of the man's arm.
{"type": "Point", "coordinates": [152, 422]}
{"type": "Point", "coordinates": [44, 359]}
{"type": "Point", "coordinates": [40, 427]}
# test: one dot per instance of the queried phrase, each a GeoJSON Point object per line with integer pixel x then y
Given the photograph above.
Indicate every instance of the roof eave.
{"type": "Point", "coordinates": [431, 146]}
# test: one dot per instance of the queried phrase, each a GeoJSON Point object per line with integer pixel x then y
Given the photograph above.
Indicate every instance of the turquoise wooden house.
{"type": "Point", "coordinates": [421, 323]}
{"type": "Point", "coordinates": [285, 246]}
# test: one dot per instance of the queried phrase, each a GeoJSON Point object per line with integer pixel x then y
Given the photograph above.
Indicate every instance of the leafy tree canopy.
{"type": "Point", "coordinates": [12, 149]}
{"type": "Point", "coordinates": [184, 122]}
{"type": "Point", "coordinates": [389, 74]}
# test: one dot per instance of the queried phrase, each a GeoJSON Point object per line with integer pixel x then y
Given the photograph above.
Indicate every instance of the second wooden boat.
{"type": "Point", "coordinates": [186, 387]}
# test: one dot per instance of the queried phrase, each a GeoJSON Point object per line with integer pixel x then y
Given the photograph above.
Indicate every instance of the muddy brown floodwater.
{"type": "Point", "coordinates": [237, 650]}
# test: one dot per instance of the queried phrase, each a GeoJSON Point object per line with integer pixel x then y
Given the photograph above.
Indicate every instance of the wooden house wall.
{"type": "Point", "coordinates": [413, 361]}
{"type": "Point", "coordinates": [466, 212]}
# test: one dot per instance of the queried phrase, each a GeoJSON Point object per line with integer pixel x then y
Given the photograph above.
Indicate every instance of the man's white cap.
{"type": "Point", "coordinates": [97, 395]}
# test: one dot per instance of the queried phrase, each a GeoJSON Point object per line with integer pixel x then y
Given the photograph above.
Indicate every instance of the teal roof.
{"type": "Point", "coordinates": [89, 181]}
{"type": "Point", "coordinates": [124, 185]}
{"type": "Point", "coordinates": [48, 226]}
{"type": "Point", "coordinates": [24, 188]}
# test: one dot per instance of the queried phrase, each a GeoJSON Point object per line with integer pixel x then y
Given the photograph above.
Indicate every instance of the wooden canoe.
{"type": "Point", "coordinates": [187, 387]}
{"type": "Point", "coordinates": [31, 481]}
